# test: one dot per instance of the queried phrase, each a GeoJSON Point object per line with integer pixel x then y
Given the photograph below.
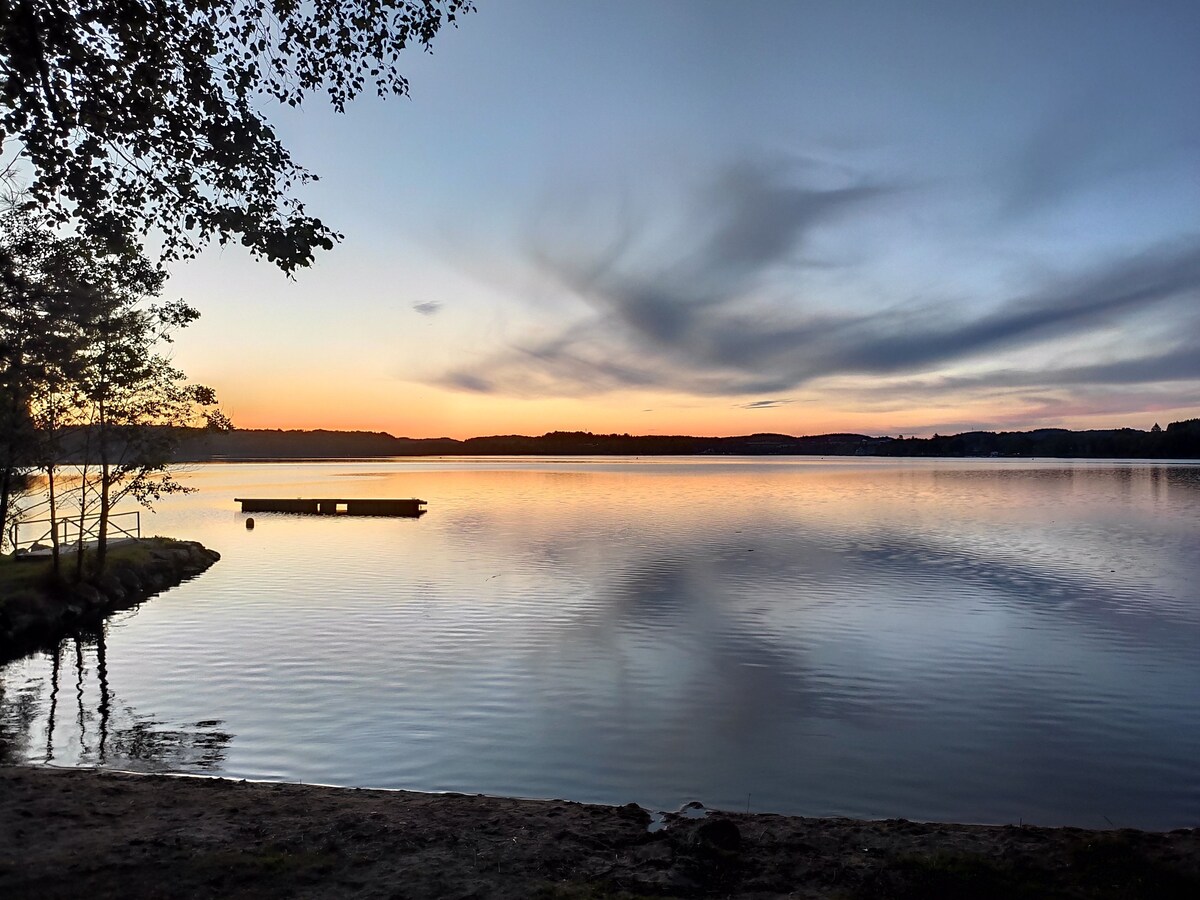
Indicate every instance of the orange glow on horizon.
{"type": "Point", "coordinates": [405, 411]}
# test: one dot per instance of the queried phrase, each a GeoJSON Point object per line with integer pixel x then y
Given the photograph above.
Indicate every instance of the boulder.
{"type": "Point", "coordinates": [112, 587]}
{"type": "Point", "coordinates": [30, 617]}
{"type": "Point", "coordinates": [129, 580]}
{"type": "Point", "coordinates": [85, 596]}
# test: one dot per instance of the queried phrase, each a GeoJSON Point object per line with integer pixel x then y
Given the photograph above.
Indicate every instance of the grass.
{"type": "Point", "coordinates": [19, 577]}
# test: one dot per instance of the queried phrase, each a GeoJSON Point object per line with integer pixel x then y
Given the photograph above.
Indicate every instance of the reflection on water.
{"type": "Point", "coordinates": [942, 639]}
{"type": "Point", "coordinates": [72, 717]}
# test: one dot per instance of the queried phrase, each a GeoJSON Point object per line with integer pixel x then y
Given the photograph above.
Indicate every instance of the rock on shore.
{"type": "Point", "coordinates": [44, 611]}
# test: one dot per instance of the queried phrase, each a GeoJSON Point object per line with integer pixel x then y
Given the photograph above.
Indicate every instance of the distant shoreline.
{"type": "Point", "coordinates": [246, 460]}
{"type": "Point", "coordinates": [64, 832]}
{"type": "Point", "coordinates": [1178, 441]}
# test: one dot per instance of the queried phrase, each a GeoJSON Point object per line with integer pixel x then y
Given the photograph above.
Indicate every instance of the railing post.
{"type": "Point", "coordinates": [64, 527]}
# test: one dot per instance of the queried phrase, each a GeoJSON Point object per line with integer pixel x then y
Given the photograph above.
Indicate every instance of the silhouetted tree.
{"type": "Point", "coordinates": [28, 346]}
{"type": "Point", "coordinates": [16, 428]}
{"type": "Point", "coordinates": [140, 113]}
{"type": "Point", "coordinates": [80, 354]}
{"type": "Point", "coordinates": [136, 399]}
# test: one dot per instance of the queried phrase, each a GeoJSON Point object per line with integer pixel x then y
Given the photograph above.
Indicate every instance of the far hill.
{"type": "Point", "coordinates": [1179, 440]}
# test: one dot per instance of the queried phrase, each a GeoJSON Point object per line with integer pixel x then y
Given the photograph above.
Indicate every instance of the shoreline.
{"type": "Point", "coordinates": [36, 611]}
{"type": "Point", "coordinates": [122, 834]}
{"type": "Point", "coordinates": [1178, 440]}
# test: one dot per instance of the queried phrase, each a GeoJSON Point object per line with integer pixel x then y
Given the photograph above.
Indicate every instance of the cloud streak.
{"type": "Point", "coordinates": [764, 404]}
{"type": "Point", "coordinates": [701, 310]}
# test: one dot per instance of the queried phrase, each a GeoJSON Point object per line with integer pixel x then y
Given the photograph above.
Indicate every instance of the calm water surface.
{"type": "Point", "coordinates": [968, 640]}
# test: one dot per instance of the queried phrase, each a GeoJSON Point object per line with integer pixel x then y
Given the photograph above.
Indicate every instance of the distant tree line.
{"type": "Point", "coordinates": [1179, 440]}
{"type": "Point", "coordinates": [88, 399]}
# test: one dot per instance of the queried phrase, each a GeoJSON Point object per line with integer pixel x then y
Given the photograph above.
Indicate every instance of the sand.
{"type": "Point", "coordinates": [84, 833]}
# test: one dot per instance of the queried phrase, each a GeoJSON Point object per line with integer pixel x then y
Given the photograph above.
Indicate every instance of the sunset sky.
{"type": "Point", "coordinates": [733, 217]}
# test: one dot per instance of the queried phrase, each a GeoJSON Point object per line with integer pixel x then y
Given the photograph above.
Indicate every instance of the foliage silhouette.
{"type": "Point", "coordinates": [81, 365]}
{"type": "Point", "coordinates": [146, 114]}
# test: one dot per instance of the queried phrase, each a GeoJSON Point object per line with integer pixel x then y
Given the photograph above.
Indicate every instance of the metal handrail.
{"type": "Point", "coordinates": [67, 539]}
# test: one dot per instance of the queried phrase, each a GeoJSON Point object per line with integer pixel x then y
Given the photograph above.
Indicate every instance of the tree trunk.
{"type": "Point", "coordinates": [11, 453]}
{"type": "Point", "coordinates": [55, 553]}
{"type": "Point", "coordinates": [50, 463]}
{"type": "Point", "coordinates": [5, 491]}
{"type": "Point", "coordinates": [82, 521]}
{"type": "Point", "coordinates": [102, 526]}
{"type": "Point", "coordinates": [105, 493]}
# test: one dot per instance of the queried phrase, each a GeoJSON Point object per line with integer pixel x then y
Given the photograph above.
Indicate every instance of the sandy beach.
{"type": "Point", "coordinates": [69, 833]}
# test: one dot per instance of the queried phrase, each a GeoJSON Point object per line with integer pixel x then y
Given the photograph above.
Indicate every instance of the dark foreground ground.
{"type": "Point", "coordinates": [72, 833]}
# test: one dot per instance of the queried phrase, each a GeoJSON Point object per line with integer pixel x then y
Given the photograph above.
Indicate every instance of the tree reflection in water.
{"type": "Point", "coordinates": [18, 712]}
{"type": "Point", "coordinates": [99, 730]}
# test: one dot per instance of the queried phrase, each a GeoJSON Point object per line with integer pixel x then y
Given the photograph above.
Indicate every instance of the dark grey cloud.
{"type": "Point", "coordinates": [690, 313]}
{"type": "Point", "coordinates": [1180, 363]}
{"type": "Point", "coordinates": [427, 307]}
{"type": "Point", "coordinates": [764, 404]}
{"type": "Point", "coordinates": [468, 381]}
{"type": "Point", "coordinates": [748, 221]}
{"type": "Point", "coordinates": [1063, 308]}
{"type": "Point", "coordinates": [1174, 361]}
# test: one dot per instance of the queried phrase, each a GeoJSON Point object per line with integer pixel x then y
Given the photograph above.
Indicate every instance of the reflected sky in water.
{"type": "Point", "coordinates": [968, 640]}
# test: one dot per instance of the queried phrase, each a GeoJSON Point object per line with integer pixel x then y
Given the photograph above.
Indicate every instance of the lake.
{"type": "Point", "coordinates": [958, 640]}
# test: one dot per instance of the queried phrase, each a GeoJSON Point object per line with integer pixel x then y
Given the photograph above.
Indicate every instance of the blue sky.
{"type": "Point", "coordinates": [734, 217]}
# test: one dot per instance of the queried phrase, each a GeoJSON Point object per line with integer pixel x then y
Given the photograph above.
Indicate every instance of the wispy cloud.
{"type": "Point", "coordinates": [763, 404]}
{"type": "Point", "coordinates": [688, 313]}
{"type": "Point", "coordinates": [427, 307]}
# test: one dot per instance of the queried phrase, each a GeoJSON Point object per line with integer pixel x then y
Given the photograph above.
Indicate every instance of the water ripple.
{"type": "Point", "coordinates": [967, 640]}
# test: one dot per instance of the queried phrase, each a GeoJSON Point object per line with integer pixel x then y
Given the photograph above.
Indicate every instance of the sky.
{"type": "Point", "coordinates": [719, 218]}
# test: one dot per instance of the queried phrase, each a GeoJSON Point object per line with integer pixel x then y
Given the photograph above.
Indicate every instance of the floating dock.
{"type": "Point", "coordinates": [410, 507]}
